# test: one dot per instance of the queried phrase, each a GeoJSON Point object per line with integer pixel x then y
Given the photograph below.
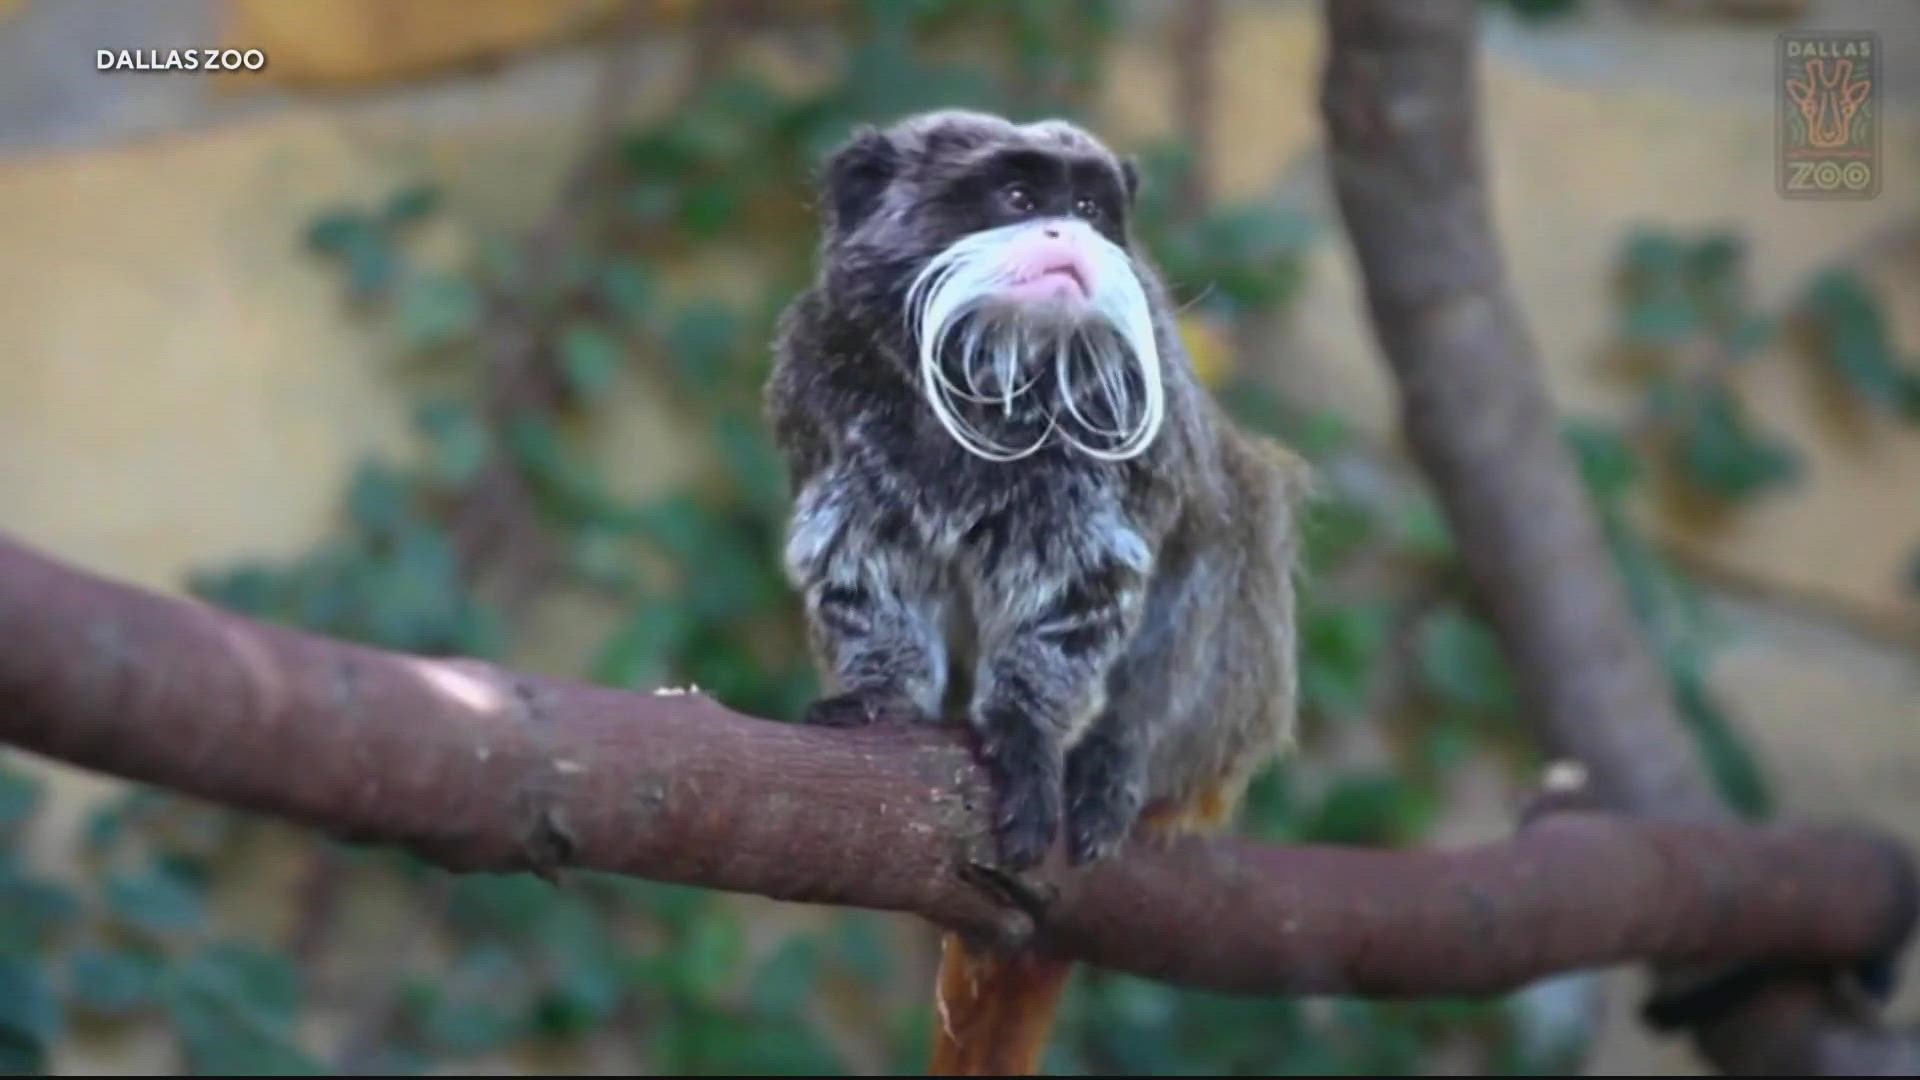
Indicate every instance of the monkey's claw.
{"type": "Point", "coordinates": [1025, 837]}
{"type": "Point", "coordinates": [1027, 814]}
{"type": "Point", "coordinates": [856, 709]}
{"type": "Point", "coordinates": [1024, 768]}
{"type": "Point", "coordinates": [1104, 793]}
{"type": "Point", "coordinates": [1032, 897]}
{"type": "Point", "coordinates": [1095, 834]}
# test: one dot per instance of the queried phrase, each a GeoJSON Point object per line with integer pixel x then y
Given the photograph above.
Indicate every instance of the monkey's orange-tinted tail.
{"type": "Point", "coordinates": [993, 1011]}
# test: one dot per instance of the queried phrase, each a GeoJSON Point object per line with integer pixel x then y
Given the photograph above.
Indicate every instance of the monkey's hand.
{"type": "Point", "coordinates": [1024, 766]}
{"type": "Point", "coordinates": [860, 708]}
{"type": "Point", "coordinates": [1106, 785]}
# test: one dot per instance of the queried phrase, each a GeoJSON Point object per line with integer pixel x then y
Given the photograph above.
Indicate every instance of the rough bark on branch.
{"type": "Point", "coordinates": [480, 769]}
{"type": "Point", "coordinates": [1401, 107]}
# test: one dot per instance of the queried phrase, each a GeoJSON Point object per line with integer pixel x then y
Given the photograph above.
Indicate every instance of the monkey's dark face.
{"type": "Point", "coordinates": [1049, 204]}
{"type": "Point", "coordinates": [894, 199]}
{"type": "Point", "coordinates": [998, 255]}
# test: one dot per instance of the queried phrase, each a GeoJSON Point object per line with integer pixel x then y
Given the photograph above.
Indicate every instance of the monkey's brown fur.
{"type": "Point", "coordinates": [1117, 634]}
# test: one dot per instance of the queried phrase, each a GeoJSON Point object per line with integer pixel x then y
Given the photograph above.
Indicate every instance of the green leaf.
{"type": "Point", "coordinates": [1370, 809]}
{"type": "Point", "coordinates": [732, 578]}
{"type": "Point", "coordinates": [476, 1009]}
{"type": "Point", "coordinates": [1323, 432]}
{"type": "Point", "coordinates": [650, 202]}
{"type": "Point", "coordinates": [1256, 407]}
{"type": "Point", "coordinates": [1660, 320]}
{"type": "Point", "coordinates": [1716, 257]}
{"type": "Point", "coordinates": [590, 966]}
{"type": "Point", "coordinates": [378, 500]}
{"type": "Point", "coordinates": [458, 444]}
{"type": "Point", "coordinates": [1340, 645]}
{"type": "Point", "coordinates": [500, 903]}
{"type": "Point", "coordinates": [786, 979]}
{"type": "Point", "coordinates": [412, 203]}
{"type": "Point", "coordinates": [710, 955]}
{"type": "Point", "coordinates": [1544, 9]}
{"type": "Point", "coordinates": [714, 1042]}
{"type": "Point", "coordinates": [465, 1027]}
{"type": "Point", "coordinates": [1606, 462]}
{"type": "Point", "coordinates": [30, 1017]}
{"type": "Point", "coordinates": [1335, 527]}
{"type": "Point", "coordinates": [157, 902]}
{"type": "Point", "coordinates": [573, 1008]}
{"type": "Point", "coordinates": [1424, 532]}
{"type": "Point", "coordinates": [34, 909]}
{"type": "Point", "coordinates": [372, 264]}
{"type": "Point", "coordinates": [1447, 743]}
{"type": "Point", "coordinates": [700, 341]}
{"type": "Point", "coordinates": [603, 558]}
{"type": "Point", "coordinates": [676, 907]}
{"type": "Point", "coordinates": [233, 1009]}
{"type": "Point", "coordinates": [707, 210]}
{"type": "Point", "coordinates": [1142, 1031]}
{"type": "Point", "coordinates": [398, 1060]}
{"type": "Point", "coordinates": [1461, 663]}
{"type": "Point", "coordinates": [567, 482]}
{"type": "Point", "coordinates": [627, 289]}
{"type": "Point", "coordinates": [751, 460]}
{"type": "Point", "coordinates": [1721, 452]}
{"type": "Point", "coordinates": [437, 309]}
{"type": "Point", "coordinates": [589, 358]}
{"type": "Point", "coordinates": [1249, 253]}
{"type": "Point", "coordinates": [1750, 332]}
{"type": "Point", "coordinates": [113, 982]}
{"type": "Point", "coordinates": [334, 232]}
{"type": "Point", "coordinates": [1736, 772]}
{"type": "Point", "coordinates": [19, 798]}
{"type": "Point", "coordinates": [857, 948]}
{"type": "Point", "coordinates": [1654, 253]}
{"type": "Point", "coordinates": [1850, 333]}
{"type": "Point", "coordinates": [20, 1055]}
{"type": "Point", "coordinates": [677, 523]}
{"type": "Point", "coordinates": [636, 656]}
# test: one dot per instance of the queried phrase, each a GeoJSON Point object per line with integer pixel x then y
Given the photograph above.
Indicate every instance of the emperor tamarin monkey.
{"type": "Point", "coordinates": [1013, 502]}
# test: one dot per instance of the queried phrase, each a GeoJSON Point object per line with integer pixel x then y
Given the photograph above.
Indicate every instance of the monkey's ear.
{"type": "Point", "coordinates": [1130, 177]}
{"type": "Point", "coordinates": [855, 176]}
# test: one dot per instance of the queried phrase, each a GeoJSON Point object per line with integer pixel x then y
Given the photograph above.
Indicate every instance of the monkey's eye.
{"type": "Point", "coordinates": [1088, 209]}
{"type": "Point", "coordinates": [1020, 199]}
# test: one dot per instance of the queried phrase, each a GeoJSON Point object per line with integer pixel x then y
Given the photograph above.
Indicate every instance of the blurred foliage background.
{"type": "Point", "coordinates": [514, 351]}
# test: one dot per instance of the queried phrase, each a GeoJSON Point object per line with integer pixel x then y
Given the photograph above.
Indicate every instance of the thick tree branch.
{"type": "Point", "coordinates": [1196, 37]}
{"type": "Point", "coordinates": [1402, 116]}
{"type": "Point", "coordinates": [480, 769]}
{"type": "Point", "coordinates": [1402, 113]}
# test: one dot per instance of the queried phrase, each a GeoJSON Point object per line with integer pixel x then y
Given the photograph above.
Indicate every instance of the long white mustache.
{"type": "Point", "coordinates": [1116, 330]}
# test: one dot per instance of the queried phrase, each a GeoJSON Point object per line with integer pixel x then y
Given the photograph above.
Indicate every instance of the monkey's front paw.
{"type": "Point", "coordinates": [1105, 788]}
{"type": "Point", "coordinates": [1097, 830]}
{"type": "Point", "coordinates": [859, 708]}
{"type": "Point", "coordinates": [1026, 819]}
{"type": "Point", "coordinates": [1025, 772]}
